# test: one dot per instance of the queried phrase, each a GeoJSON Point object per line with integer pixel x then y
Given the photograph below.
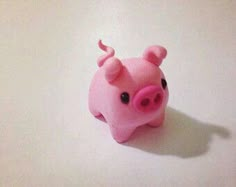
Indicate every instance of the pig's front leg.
{"type": "Point", "coordinates": [120, 134]}
{"type": "Point", "coordinates": [157, 122]}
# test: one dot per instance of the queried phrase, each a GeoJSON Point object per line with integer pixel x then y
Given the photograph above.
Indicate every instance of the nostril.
{"type": "Point", "coordinates": [145, 102]}
{"type": "Point", "coordinates": [157, 98]}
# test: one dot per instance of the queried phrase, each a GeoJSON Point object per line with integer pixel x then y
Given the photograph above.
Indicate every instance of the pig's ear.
{"type": "Point", "coordinates": [112, 67]}
{"type": "Point", "coordinates": [155, 54]}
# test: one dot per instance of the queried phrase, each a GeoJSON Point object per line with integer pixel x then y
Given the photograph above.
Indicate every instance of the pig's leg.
{"type": "Point", "coordinates": [100, 117]}
{"type": "Point", "coordinates": [93, 110]}
{"type": "Point", "coordinates": [97, 114]}
{"type": "Point", "coordinates": [121, 135]}
{"type": "Point", "coordinates": [157, 122]}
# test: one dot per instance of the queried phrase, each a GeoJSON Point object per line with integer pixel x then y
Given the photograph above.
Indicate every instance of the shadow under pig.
{"type": "Point", "coordinates": [180, 135]}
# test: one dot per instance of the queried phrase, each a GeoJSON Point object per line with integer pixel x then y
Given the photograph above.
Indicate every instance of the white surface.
{"type": "Point", "coordinates": [48, 55]}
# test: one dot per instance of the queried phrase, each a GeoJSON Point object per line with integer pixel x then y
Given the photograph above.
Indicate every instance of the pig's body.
{"type": "Point", "coordinates": [128, 93]}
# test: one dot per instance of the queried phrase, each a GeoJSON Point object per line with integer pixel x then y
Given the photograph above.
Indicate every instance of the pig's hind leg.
{"type": "Point", "coordinates": [97, 114]}
{"type": "Point", "coordinates": [100, 117]}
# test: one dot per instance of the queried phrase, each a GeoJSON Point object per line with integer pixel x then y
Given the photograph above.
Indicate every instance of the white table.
{"type": "Point", "coordinates": [48, 53]}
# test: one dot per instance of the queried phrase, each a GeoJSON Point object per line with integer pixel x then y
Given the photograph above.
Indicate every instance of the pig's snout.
{"type": "Point", "coordinates": [148, 99]}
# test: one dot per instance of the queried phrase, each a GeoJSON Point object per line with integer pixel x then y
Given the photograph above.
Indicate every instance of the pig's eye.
{"type": "Point", "coordinates": [163, 83]}
{"type": "Point", "coordinates": [124, 97]}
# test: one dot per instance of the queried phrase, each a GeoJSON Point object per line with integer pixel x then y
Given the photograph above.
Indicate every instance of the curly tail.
{"type": "Point", "coordinates": [110, 53]}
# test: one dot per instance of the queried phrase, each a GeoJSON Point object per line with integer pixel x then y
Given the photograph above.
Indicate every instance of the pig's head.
{"type": "Point", "coordinates": [136, 89]}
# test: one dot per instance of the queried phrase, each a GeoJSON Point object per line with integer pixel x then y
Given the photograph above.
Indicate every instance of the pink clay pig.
{"type": "Point", "coordinates": [129, 93]}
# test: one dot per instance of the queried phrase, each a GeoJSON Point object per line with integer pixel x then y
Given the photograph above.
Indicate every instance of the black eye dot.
{"type": "Point", "coordinates": [163, 83]}
{"type": "Point", "coordinates": [124, 98]}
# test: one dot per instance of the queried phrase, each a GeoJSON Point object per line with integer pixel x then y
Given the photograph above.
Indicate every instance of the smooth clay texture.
{"type": "Point", "coordinates": [48, 56]}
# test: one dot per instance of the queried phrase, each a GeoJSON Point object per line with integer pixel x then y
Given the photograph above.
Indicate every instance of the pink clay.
{"type": "Point", "coordinates": [129, 93]}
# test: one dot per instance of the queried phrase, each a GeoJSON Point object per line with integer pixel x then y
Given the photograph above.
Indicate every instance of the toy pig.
{"type": "Point", "coordinates": [129, 93]}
